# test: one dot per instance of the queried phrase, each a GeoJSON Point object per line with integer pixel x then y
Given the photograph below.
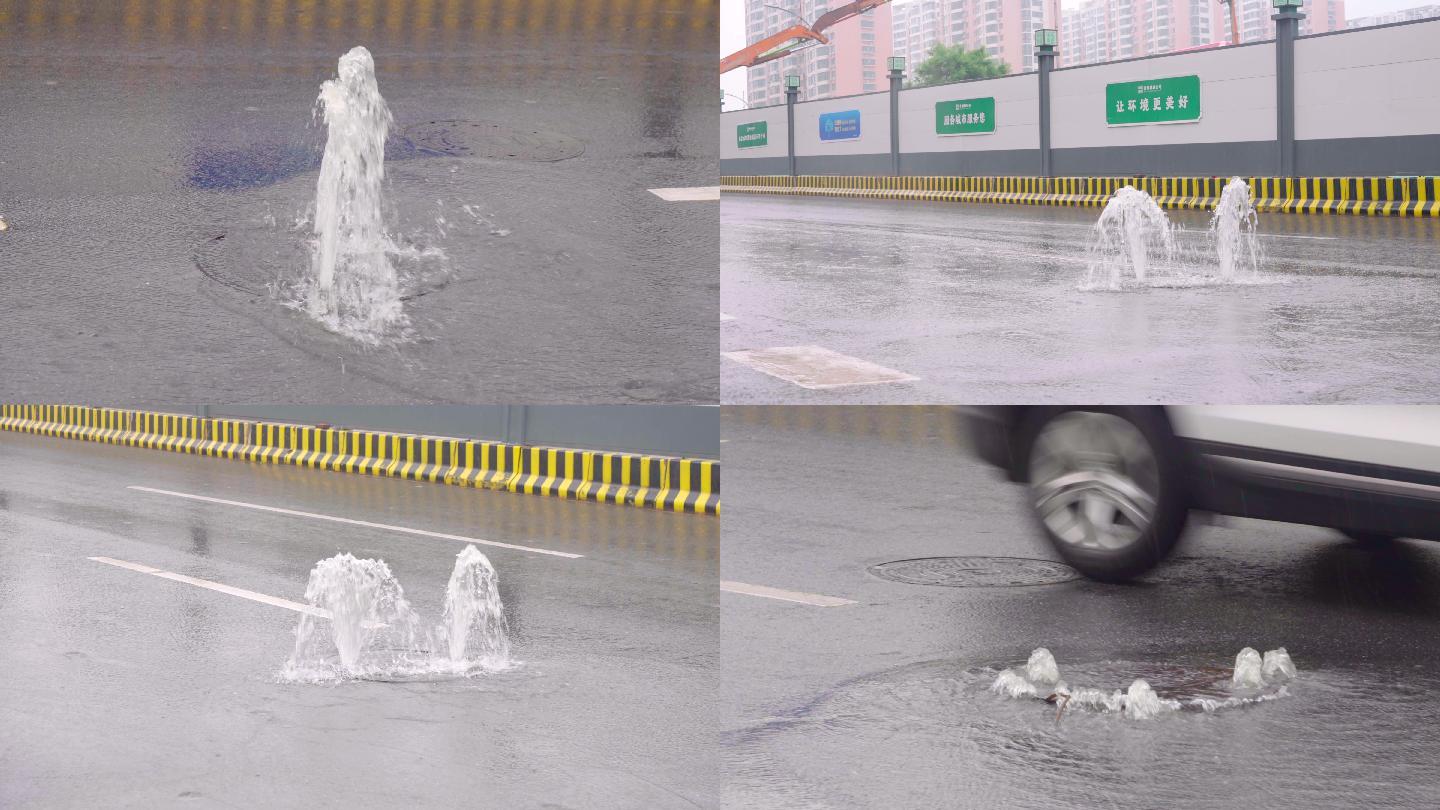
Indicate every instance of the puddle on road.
{"type": "Point", "coordinates": [923, 734]}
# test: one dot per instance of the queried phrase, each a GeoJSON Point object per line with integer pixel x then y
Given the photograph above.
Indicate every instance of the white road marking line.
{"type": "Point", "coordinates": [724, 317]}
{"type": "Point", "coordinates": [695, 194]}
{"type": "Point", "coordinates": [817, 368]}
{"type": "Point", "coordinates": [366, 523]}
{"type": "Point", "coordinates": [216, 586]}
{"type": "Point", "coordinates": [785, 596]}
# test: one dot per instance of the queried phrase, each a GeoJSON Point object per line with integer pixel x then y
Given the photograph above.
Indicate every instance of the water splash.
{"type": "Point", "coordinates": [364, 604]}
{"type": "Point", "coordinates": [1141, 702]}
{"type": "Point", "coordinates": [1041, 667]}
{"type": "Point", "coordinates": [353, 287]}
{"type": "Point", "coordinates": [1136, 244]}
{"type": "Point", "coordinates": [1232, 230]}
{"type": "Point", "coordinates": [1277, 665]}
{"type": "Point", "coordinates": [373, 633]}
{"type": "Point", "coordinates": [1011, 683]}
{"type": "Point", "coordinates": [474, 617]}
{"type": "Point", "coordinates": [1247, 670]}
{"type": "Point", "coordinates": [1204, 690]}
{"type": "Point", "coordinates": [1040, 672]}
{"type": "Point", "coordinates": [1130, 230]}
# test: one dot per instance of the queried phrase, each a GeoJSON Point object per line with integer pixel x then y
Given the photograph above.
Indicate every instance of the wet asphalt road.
{"type": "Point", "coordinates": [885, 703]}
{"type": "Point", "coordinates": [127, 690]}
{"type": "Point", "coordinates": [982, 303]}
{"type": "Point", "coordinates": [134, 136]}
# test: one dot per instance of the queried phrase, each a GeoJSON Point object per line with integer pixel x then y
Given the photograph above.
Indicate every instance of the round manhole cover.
{"type": "Point", "coordinates": [489, 140]}
{"type": "Point", "coordinates": [975, 572]}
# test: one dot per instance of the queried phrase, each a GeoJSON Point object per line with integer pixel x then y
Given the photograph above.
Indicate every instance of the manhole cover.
{"type": "Point", "coordinates": [488, 140]}
{"type": "Point", "coordinates": [264, 262]}
{"type": "Point", "coordinates": [975, 572]}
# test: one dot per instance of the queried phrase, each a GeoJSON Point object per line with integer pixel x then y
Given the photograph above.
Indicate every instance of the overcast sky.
{"type": "Point", "coordinates": [732, 31]}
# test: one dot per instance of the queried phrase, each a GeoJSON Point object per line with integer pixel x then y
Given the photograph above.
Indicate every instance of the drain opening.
{"type": "Point", "coordinates": [975, 572]}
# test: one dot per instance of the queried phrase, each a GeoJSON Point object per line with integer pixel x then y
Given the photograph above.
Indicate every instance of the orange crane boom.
{"type": "Point", "coordinates": [759, 52]}
{"type": "Point", "coordinates": [783, 43]}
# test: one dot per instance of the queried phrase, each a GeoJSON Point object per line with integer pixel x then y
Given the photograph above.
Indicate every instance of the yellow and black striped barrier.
{"type": "Point", "coordinates": [659, 482]}
{"type": "Point", "coordinates": [1371, 196]}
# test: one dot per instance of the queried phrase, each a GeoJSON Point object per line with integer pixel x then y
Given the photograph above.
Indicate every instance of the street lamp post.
{"type": "Point", "coordinates": [1287, 19]}
{"type": "Point", "coordinates": [897, 78]}
{"type": "Point", "coordinates": [1046, 40]}
{"type": "Point", "coordinates": [792, 91]}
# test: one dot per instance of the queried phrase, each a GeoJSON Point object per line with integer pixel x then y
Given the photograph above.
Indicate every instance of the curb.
{"type": "Point", "coordinates": [1369, 196]}
{"type": "Point", "coordinates": [659, 482]}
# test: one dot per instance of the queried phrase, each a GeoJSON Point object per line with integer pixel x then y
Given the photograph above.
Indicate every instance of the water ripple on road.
{"type": "Point", "coordinates": [926, 734]}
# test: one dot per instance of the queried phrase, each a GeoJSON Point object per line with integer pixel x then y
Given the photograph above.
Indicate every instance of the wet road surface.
{"type": "Point", "coordinates": [983, 304]}
{"type": "Point", "coordinates": [155, 160]}
{"type": "Point", "coordinates": [885, 702]}
{"type": "Point", "coordinates": [123, 689]}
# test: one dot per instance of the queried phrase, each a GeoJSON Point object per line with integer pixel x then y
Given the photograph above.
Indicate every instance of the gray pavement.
{"type": "Point", "coordinates": [128, 690]}
{"type": "Point", "coordinates": [154, 159]}
{"type": "Point", "coordinates": [885, 702]}
{"type": "Point", "coordinates": [983, 303]}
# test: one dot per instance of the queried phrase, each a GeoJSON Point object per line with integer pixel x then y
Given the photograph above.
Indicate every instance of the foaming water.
{"type": "Point", "coordinates": [920, 734]}
{"type": "Point", "coordinates": [1251, 681]}
{"type": "Point", "coordinates": [1136, 245]}
{"type": "Point", "coordinates": [361, 627]}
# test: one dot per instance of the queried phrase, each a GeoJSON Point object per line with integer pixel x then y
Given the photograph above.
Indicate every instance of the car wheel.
{"type": "Point", "coordinates": [1368, 538]}
{"type": "Point", "coordinates": [1107, 485]}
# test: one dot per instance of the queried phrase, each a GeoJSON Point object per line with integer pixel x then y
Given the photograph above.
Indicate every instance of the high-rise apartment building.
{"type": "Point", "coordinates": [1106, 30]}
{"type": "Point", "coordinates": [1403, 15]}
{"type": "Point", "coordinates": [853, 62]}
{"type": "Point", "coordinates": [1256, 25]}
{"type": "Point", "coordinates": [1005, 29]}
{"type": "Point", "coordinates": [916, 25]}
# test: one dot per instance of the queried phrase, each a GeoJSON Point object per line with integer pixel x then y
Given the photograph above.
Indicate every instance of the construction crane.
{"type": "Point", "coordinates": [796, 37]}
{"type": "Point", "coordinates": [1234, 22]}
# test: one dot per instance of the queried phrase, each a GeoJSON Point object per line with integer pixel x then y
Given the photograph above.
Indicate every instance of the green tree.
{"type": "Point", "coordinates": [952, 63]}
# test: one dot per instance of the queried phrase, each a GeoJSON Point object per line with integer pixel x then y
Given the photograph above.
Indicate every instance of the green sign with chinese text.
{"type": "Point", "coordinates": [1154, 101]}
{"type": "Point", "coordinates": [748, 136]}
{"type": "Point", "coordinates": [970, 116]}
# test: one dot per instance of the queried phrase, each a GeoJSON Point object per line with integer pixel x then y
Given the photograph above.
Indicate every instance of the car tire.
{"type": "Point", "coordinates": [1107, 486]}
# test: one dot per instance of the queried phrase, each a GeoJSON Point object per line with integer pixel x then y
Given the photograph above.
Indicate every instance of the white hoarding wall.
{"type": "Point", "coordinates": [1351, 89]}
{"type": "Point", "coordinates": [1369, 83]}
{"type": "Point", "coordinates": [1017, 115]}
{"type": "Point", "coordinates": [1237, 100]}
{"type": "Point", "coordinates": [874, 110]}
{"type": "Point", "coordinates": [775, 138]}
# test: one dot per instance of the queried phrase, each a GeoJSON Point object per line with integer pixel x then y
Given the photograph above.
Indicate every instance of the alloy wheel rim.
{"type": "Point", "coordinates": [1095, 481]}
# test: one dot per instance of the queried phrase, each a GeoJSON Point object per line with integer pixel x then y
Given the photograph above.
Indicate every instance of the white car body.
{"type": "Point", "coordinates": [1404, 436]}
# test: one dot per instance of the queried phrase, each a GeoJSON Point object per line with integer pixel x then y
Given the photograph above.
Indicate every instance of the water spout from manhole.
{"type": "Point", "coordinates": [1130, 229]}
{"type": "Point", "coordinates": [474, 619]}
{"type": "Point", "coordinates": [363, 600]}
{"type": "Point", "coordinates": [353, 288]}
{"type": "Point", "coordinates": [1232, 229]}
{"type": "Point", "coordinates": [374, 633]}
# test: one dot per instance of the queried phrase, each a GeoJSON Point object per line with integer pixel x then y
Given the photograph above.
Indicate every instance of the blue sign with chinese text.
{"type": "Point", "coordinates": [840, 126]}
